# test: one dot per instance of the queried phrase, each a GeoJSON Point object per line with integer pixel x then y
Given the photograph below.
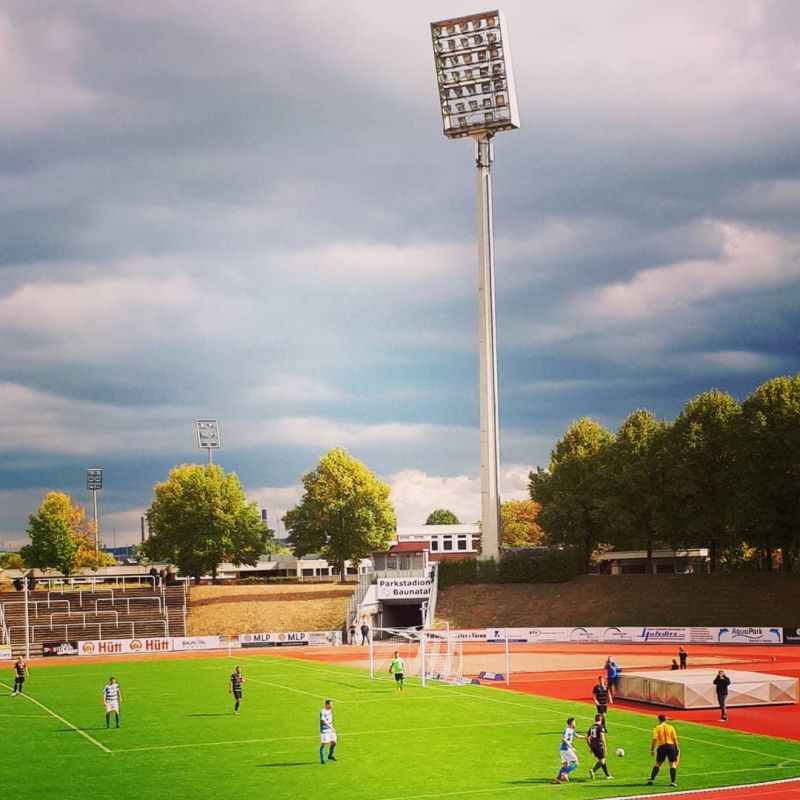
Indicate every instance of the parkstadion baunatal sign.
{"type": "Point", "coordinates": [403, 588]}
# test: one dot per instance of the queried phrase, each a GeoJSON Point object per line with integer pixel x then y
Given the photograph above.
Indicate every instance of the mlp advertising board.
{"type": "Point", "coordinates": [291, 639]}
{"type": "Point", "coordinates": [403, 588]}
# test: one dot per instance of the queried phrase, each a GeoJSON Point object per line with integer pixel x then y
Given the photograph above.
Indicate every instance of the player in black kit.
{"type": "Point", "coordinates": [596, 739]}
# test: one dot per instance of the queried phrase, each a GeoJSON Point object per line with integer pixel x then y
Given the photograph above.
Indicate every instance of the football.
{"type": "Point", "coordinates": [620, 752]}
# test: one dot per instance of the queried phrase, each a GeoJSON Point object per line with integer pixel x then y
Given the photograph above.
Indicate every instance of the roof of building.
{"type": "Point", "coordinates": [409, 547]}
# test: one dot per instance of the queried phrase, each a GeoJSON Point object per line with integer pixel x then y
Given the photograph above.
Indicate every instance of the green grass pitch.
{"type": "Point", "coordinates": [180, 739]}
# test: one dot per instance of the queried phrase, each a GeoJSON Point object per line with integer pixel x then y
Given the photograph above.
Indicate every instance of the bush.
{"type": "Point", "coordinates": [516, 566]}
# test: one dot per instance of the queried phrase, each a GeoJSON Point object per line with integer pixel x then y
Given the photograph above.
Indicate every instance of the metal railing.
{"type": "Point", "coordinates": [82, 614]}
{"type": "Point", "coordinates": [362, 587]}
{"type": "Point", "coordinates": [34, 605]}
{"type": "Point", "coordinates": [127, 600]}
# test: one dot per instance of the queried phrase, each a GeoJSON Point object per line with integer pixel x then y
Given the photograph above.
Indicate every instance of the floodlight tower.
{"type": "Point", "coordinates": [208, 436]}
{"type": "Point", "coordinates": [477, 99]}
{"type": "Point", "coordinates": [94, 483]}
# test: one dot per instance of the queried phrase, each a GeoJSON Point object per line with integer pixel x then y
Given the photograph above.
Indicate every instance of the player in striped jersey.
{"type": "Point", "coordinates": [569, 758]}
{"type": "Point", "coordinates": [112, 697]}
{"type": "Point", "coordinates": [235, 687]}
{"type": "Point", "coordinates": [327, 733]}
{"type": "Point", "coordinates": [21, 672]}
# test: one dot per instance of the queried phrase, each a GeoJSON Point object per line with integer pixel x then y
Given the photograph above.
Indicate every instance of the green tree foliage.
{"type": "Point", "coordinates": [442, 516]}
{"type": "Point", "coordinates": [770, 469]}
{"type": "Point", "coordinates": [519, 525]}
{"type": "Point", "coordinates": [55, 532]}
{"type": "Point", "coordinates": [704, 479]}
{"type": "Point", "coordinates": [200, 518]}
{"type": "Point", "coordinates": [11, 561]}
{"type": "Point", "coordinates": [345, 512]}
{"type": "Point", "coordinates": [571, 492]}
{"type": "Point", "coordinates": [721, 476]}
{"type": "Point", "coordinates": [637, 470]}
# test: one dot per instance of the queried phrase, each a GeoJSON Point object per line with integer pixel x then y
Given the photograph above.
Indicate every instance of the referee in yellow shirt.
{"type": "Point", "coordinates": [665, 747]}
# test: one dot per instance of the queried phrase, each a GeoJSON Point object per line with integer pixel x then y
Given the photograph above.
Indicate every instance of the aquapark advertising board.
{"type": "Point", "coordinates": [113, 647]}
{"type": "Point", "coordinates": [639, 635]}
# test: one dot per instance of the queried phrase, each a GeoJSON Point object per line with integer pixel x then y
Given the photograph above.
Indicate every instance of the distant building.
{"type": "Point", "coordinates": [693, 560]}
{"type": "Point", "coordinates": [444, 542]}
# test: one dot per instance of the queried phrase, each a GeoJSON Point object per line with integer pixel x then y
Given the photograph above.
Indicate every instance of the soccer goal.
{"type": "Point", "coordinates": [427, 654]}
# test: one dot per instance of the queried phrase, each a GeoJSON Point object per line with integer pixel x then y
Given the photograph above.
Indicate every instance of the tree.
{"type": "Point", "coordinates": [11, 561]}
{"type": "Point", "coordinates": [442, 516]}
{"type": "Point", "coordinates": [705, 477]}
{"type": "Point", "coordinates": [62, 538]}
{"type": "Point", "coordinates": [571, 491]}
{"type": "Point", "coordinates": [200, 518]}
{"type": "Point", "coordinates": [345, 512]}
{"type": "Point", "coordinates": [53, 532]}
{"type": "Point", "coordinates": [769, 466]}
{"type": "Point", "coordinates": [637, 471]}
{"type": "Point", "coordinates": [519, 525]}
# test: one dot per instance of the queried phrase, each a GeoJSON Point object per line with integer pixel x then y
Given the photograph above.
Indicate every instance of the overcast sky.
{"type": "Point", "coordinates": [247, 210]}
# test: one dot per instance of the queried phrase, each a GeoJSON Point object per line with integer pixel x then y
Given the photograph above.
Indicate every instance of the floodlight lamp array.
{"type": "Point", "coordinates": [94, 480]}
{"type": "Point", "coordinates": [208, 433]}
{"type": "Point", "coordinates": [473, 67]}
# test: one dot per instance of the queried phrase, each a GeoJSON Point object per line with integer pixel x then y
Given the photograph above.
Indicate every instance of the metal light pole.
{"type": "Point", "coordinates": [208, 436]}
{"type": "Point", "coordinates": [477, 99]}
{"type": "Point", "coordinates": [94, 483]}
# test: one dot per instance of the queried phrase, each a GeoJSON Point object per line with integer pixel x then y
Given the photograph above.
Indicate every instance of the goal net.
{"type": "Point", "coordinates": [427, 654]}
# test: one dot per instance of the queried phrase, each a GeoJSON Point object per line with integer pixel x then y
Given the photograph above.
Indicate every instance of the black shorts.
{"type": "Point", "coordinates": [19, 680]}
{"type": "Point", "coordinates": [598, 751]}
{"type": "Point", "coordinates": [666, 752]}
{"type": "Point", "coordinates": [602, 708]}
{"type": "Point", "coordinates": [398, 676]}
{"type": "Point", "coordinates": [237, 693]}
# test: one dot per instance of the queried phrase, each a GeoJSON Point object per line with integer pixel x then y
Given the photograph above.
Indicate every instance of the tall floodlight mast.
{"type": "Point", "coordinates": [477, 99]}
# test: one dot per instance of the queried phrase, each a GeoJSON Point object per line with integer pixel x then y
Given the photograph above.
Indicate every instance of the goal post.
{"type": "Point", "coordinates": [427, 654]}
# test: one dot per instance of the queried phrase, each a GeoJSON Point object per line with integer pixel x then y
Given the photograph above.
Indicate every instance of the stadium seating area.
{"type": "Point", "coordinates": [96, 612]}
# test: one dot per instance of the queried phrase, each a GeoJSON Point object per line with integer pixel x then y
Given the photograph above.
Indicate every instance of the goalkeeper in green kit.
{"type": "Point", "coordinates": [397, 668]}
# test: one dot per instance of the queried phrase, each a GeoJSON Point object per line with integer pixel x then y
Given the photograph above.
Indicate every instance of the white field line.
{"type": "Point", "coordinates": [292, 689]}
{"type": "Point", "coordinates": [381, 732]}
{"type": "Point", "coordinates": [61, 719]}
{"type": "Point", "coordinates": [676, 793]}
{"type": "Point", "coordinates": [681, 737]}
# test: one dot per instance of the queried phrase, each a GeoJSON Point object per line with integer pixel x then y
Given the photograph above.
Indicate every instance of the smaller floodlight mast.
{"type": "Point", "coordinates": [94, 483]}
{"type": "Point", "coordinates": [477, 99]}
{"type": "Point", "coordinates": [208, 436]}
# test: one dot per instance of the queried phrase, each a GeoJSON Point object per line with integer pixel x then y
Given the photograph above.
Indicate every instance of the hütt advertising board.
{"type": "Point", "coordinates": [111, 647]}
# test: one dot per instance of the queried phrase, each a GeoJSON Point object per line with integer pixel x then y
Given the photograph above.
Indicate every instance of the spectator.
{"type": "Point", "coordinates": [612, 671]}
{"type": "Point", "coordinates": [353, 634]}
{"type": "Point", "coordinates": [682, 655]}
{"type": "Point", "coordinates": [721, 684]}
{"type": "Point", "coordinates": [674, 664]}
{"type": "Point", "coordinates": [364, 632]}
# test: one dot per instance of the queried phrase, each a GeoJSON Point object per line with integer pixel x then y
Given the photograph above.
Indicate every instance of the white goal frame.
{"type": "Point", "coordinates": [430, 655]}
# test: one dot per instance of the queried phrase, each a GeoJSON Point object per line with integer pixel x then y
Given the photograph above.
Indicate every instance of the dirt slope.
{"type": "Point", "coordinates": [255, 609]}
{"type": "Point", "coordinates": [715, 600]}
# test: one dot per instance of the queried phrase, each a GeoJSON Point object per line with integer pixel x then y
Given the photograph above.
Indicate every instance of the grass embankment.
{"type": "Point", "coordinates": [256, 609]}
{"type": "Point", "coordinates": [598, 600]}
